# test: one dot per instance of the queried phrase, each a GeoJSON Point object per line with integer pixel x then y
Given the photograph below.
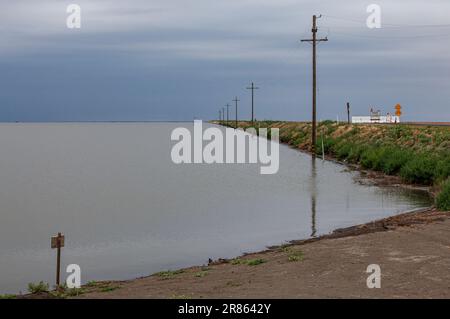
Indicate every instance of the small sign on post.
{"type": "Point", "coordinates": [57, 243]}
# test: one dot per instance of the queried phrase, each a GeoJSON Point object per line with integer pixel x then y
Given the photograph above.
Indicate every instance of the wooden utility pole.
{"type": "Point", "coordinates": [314, 41]}
{"type": "Point", "coordinates": [348, 112]}
{"type": "Point", "coordinates": [236, 100]}
{"type": "Point", "coordinates": [223, 116]}
{"type": "Point", "coordinates": [228, 113]}
{"type": "Point", "coordinates": [253, 88]}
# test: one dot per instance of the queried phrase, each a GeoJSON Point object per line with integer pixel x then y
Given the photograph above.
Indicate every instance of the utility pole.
{"type": "Point", "coordinates": [220, 116]}
{"type": "Point", "coordinates": [223, 116]}
{"type": "Point", "coordinates": [253, 88]}
{"type": "Point", "coordinates": [228, 113]}
{"type": "Point", "coordinates": [314, 41]}
{"type": "Point", "coordinates": [236, 100]}
{"type": "Point", "coordinates": [348, 112]}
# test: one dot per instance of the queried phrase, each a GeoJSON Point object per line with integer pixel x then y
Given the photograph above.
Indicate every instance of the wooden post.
{"type": "Point", "coordinates": [348, 112]}
{"type": "Point", "coordinates": [58, 243]}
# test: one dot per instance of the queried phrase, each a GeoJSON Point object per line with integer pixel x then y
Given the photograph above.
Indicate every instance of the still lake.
{"type": "Point", "coordinates": [128, 211]}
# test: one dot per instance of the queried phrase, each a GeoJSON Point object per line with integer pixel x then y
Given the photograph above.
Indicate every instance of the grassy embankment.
{"type": "Point", "coordinates": [418, 154]}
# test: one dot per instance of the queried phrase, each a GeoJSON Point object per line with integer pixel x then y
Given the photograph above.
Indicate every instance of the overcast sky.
{"type": "Point", "coordinates": [180, 59]}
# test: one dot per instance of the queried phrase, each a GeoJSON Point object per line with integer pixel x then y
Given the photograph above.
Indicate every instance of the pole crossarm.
{"type": "Point", "coordinates": [317, 40]}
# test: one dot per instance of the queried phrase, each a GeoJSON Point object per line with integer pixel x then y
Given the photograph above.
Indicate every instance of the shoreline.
{"type": "Point", "coordinates": [138, 288]}
{"type": "Point", "coordinates": [260, 272]}
{"type": "Point", "coordinates": [323, 256]}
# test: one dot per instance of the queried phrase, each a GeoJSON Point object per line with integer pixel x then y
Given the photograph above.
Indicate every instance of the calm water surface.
{"type": "Point", "coordinates": [128, 211]}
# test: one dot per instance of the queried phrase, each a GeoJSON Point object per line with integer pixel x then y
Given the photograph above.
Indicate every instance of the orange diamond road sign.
{"type": "Point", "coordinates": [398, 109]}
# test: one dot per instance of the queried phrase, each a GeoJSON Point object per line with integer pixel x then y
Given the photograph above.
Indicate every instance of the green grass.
{"type": "Point", "coordinates": [295, 256]}
{"type": "Point", "coordinates": [443, 199]}
{"type": "Point", "coordinates": [109, 288]}
{"type": "Point", "coordinates": [65, 292]}
{"type": "Point", "coordinates": [38, 288]}
{"type": "Point", "coordinates": [7, 296]}
{"type": "Point", "coordinates": [255, 262]}
{"type": "Point", "coordinates": [203, 272]}
{"type": "Point", "coordinates": [248, 262]}
{"type": "Point", "coordinates": [169, 273]}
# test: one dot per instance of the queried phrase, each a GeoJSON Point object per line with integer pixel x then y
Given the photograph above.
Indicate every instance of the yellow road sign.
{"type": "Point", "coordinates": [398, 109]}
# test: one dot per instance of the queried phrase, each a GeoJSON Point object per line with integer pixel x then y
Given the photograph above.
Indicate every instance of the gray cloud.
{"type": "Point", "coordinates": [225, 43]}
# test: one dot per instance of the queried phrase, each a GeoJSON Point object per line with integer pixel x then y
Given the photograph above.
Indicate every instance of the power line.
{"type": "Point", "coordinates": [389, 37]}
{"type": "Point", "coordinates": [391, 25]}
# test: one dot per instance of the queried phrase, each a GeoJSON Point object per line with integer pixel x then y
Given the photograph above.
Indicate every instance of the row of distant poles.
{"type": "Point", "coordinates": [236, 100]}
{"type": "Point", "coordinates": [314, 42]}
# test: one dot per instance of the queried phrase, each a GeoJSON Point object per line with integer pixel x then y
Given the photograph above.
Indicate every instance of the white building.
{"type": "Point", "coordinates": [377, 119]}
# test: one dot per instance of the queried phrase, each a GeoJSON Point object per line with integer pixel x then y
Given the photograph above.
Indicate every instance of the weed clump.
{"type": "Point", "coordinates": [38, 288]}
{"type": "Point", "coordinates": [443, 199]}
{"type": "Point", "coordinates": [248, 262]}
{"type": "Point", "coordinates": [295, 256]}
{"type": "Point", "coordinates": [169, 273]}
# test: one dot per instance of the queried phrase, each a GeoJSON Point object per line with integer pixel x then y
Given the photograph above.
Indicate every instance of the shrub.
{"type": "Point", "coordinates": [420, 169]}
{"type": "Point", "coordinates": [356, 152]}
{"type": "Point", "coordinates": [344, 151]}
{"type": "Point", "coordinates": [371, 158]}
{"type": "Point", "coordinates": [328, 145]}
{"type": "Point", "coordinates": [442, 169]}
{"type": "Point", "coordinates": [394, 159]}
{"type": "Point", "coordinates": [443, 199]}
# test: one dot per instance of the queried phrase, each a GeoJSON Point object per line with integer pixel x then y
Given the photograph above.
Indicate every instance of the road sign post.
{"type": "Point", "coordinates": [57, 243]}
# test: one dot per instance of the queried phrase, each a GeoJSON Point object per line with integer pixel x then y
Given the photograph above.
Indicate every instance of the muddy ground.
{"type": "Point", "coordinates": [413, 251]}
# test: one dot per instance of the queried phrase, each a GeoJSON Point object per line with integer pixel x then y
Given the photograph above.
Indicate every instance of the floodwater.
{"type": "Point", "coordinates": [128, 211]}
